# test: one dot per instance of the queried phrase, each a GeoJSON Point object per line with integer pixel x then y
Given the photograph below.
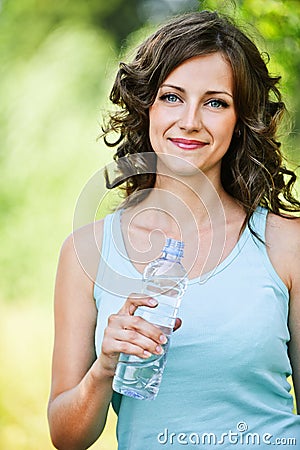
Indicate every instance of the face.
{"type": "Point", "coordinates": [193, 116]}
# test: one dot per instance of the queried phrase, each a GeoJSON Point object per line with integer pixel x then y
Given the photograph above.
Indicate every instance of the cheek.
{"type": "Point", "coordinates": [156, 123]}
{"type": "Point", "coordinates": [155, 116]}
{"type": "Point", "coordinates": [152, 119]}
{"type": "Point", "coordinates": [151, 129]}
{"type": "Point", "coordinates": [153, 133]}
{"type": "Point", "coordinates": [226, 128]}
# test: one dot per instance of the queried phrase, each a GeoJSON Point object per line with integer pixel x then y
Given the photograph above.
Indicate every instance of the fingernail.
{"type": "Point", "coordinates": [163, 339]}
{"type": "Point", "coordinates": [158, 349]}
{"type": "Point", "coordinates": [152, 301]}
{"type": "Point", "coordinates": [147, 354]}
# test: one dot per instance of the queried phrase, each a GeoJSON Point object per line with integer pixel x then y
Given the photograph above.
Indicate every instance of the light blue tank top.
{"type": "Point", "coordinates": [225, 384]}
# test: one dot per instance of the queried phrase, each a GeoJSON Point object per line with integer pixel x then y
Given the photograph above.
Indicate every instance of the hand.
{"type": "Point", "coordinates": [131, 334]}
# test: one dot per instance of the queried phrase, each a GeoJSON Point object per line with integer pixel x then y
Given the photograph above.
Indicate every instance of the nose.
{"type": "Point", "coordinates": [190, 119]}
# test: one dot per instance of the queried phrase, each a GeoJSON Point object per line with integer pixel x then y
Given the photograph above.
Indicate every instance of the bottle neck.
{"type": "Point", "coordinates": [173, 250]}
{"type": "Point", "coordinates": [170, 256]}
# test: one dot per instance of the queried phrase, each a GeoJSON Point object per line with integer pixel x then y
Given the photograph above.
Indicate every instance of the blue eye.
{"type": "Point", "coordinates": [170, 98]}
{"type": "Point", "coordinates": [217, 103]}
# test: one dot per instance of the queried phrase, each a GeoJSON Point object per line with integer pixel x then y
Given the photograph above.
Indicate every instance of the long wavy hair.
{"type": "Point", "coordinates": [252, 170]}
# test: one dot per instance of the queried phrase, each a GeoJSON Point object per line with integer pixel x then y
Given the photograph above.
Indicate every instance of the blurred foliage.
{"type": "Point", "coordinates": [50, 107]}
{"type": "Point", "coordinates": [32, 20]}
{"type": "Point", "coordinates": [58, 60]}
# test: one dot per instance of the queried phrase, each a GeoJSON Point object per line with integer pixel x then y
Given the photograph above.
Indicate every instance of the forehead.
{"type": "Point", "coordinates": [208, 69]}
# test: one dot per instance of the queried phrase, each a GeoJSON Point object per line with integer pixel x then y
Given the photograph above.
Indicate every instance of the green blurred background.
{"type": "Point", "coordinates": [57, 63]}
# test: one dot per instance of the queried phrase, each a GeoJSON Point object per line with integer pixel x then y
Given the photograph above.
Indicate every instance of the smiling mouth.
{"type": "Point", "coordinates": [188, 144]}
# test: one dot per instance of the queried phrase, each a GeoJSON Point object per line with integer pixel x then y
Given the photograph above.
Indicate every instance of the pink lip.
{"type": "Point", "coordinates": [187, 144]}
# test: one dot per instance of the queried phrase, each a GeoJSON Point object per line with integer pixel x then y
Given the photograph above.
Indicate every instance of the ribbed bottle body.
{"type": "Point", "coordinates": [165, 280]}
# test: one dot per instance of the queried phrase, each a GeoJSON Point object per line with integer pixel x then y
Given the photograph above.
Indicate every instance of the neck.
{"type": "Point", "coordinates": [191, 209]}
{"type": "Point", "coordinates": [197, 194]}
{"type": "Point", "coordinates": [181, 204]}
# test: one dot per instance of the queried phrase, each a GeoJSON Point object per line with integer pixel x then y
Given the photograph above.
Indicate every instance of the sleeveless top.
{"type": "Point", "coordinates": [225, 382]}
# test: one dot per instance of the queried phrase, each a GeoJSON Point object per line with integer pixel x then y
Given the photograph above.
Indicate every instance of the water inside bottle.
{"type": "Point", "coordinates": [139, 378]}
{"type": "Point", "coordinates": [165, 280]}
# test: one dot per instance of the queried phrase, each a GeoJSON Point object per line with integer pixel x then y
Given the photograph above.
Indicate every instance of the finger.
{"type": "Point", "coordinates": [149, 345]}
{"type": "Point", "coordinates": [134, 343]}
{"type": "Point", "coordinates": [118, 323]}
{"type": "Point", "coordinates": [134, 301]}
{"type": "Point", "coordinates": [129, 343]}
{"type": "Point", "coordinates": [135, 350]}
{"type": "Point", "coordinates": [125, 347]}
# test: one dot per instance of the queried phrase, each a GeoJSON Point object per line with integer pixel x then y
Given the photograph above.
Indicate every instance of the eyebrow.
{"type": "Point", "coordinates": [212, 92]}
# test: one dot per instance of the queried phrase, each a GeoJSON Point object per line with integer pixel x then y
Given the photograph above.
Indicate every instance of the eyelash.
{"type": "Point", "coordinates": [222, 103]}
{"type": "Point", "coordinates": [167, 97]}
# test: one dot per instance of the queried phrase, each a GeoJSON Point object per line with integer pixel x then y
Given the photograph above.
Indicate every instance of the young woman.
{"type": "Point", "coordinates": [200, 161]}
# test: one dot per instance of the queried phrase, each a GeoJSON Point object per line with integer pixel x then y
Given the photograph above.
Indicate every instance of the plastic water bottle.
{"type": "Point", "coordinates": [164, 279]}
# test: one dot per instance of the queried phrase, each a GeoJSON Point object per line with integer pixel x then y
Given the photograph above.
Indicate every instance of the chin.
{"type": "Point", "coordinates": [175, 166]}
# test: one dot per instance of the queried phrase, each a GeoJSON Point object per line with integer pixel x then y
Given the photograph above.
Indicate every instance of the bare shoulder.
{"type": "Point", "coordinates": [82, 248]}
{"type": "Point", "coordinates": [77, 270]}
{"type": "Point", "coordinates": [283, 243]}
{"type": "Point", "coordinates": [283, 231]}
{"type": "Point", "coordinates": [74, 307]}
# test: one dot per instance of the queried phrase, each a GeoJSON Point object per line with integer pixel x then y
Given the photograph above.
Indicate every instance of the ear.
{"type": "Point", "coordinates": [237, 131]}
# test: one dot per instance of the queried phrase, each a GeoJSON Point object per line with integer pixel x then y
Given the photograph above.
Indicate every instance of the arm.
{"type": "Point", "coordinates": [283, 237]}
{"type": "Point", "coordinates": [80, 391]}
{"type": "Point", "coordinates": [81, 384]}
{"type": "Point", "coordinates": [294, 316]}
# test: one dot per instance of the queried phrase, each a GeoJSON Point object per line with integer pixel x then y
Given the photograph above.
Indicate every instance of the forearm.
{"type": "Point", "coordinates": [77, 416]}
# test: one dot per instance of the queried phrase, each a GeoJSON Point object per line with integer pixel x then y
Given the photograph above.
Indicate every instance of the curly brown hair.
{"type": "Point", "coordinates": [252, 169]}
